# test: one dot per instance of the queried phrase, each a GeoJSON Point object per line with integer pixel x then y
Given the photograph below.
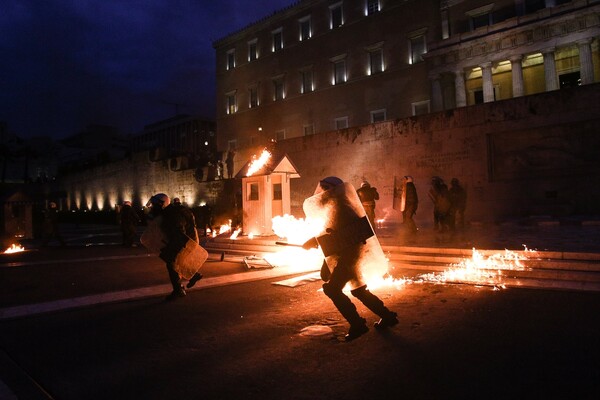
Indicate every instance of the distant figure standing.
{"type": "Point", "coordinates": [203, 215]}
{"type": "Point", "coordinates": [409, 204]}
{"type": "Point", "coordinates": [229, 163]}
{"type": "Point", "coordinates": [458, 202]}
{"type": "Point", "coordinates": [367, 195]}
{"type": "Point", "coordinates": [51, 225]}
{"type": "Point", "coordinates": [220, 170]}
{"type": "Point", "coordinates": [438, 193]}
{"type": "Point", "coordinates": [129, 220]}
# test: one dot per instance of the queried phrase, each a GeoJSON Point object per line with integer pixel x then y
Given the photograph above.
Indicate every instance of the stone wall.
{"type": "Point", "coordinates": [533, 155]}
{"type": "Point", "coordinates": [136, 179]}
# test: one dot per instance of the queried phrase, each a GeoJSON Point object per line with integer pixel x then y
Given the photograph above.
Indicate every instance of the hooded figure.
{"type": "Point", "coordinates": [352, 252]}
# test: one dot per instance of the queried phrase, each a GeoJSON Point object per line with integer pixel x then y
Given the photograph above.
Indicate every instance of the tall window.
{"type": "Point", "coordinates": [253, 97]}
{"type": "Point", "coordinates": [418, 47]}
{"type": "Point", "coordinates": [372, 7]}
{"type": "Point", "coordinates": [231, 103]}
{"type": "Point", "coordinates": [378, 116]}
{"type": "Point", "coordinates": [280, 135]}
{"type": "Point", "coordinates": [277, 36]}
{"type": "Point", "coordinates": [341, 123]}
{"type": "Point", "coordinates": [252, 191]}
{"type": "Point", "coordinates": [420, 107]}
{"type": "Point", "coordinates": [339, 72]}
{"type": "Point", "coordinates": [252, 50]}
{"type": "Point", "coordinates": [278, 92]}
{"type": "Point", "coordinates": [308, 129]}
{"type": "Point", "coordinates": [336, 15]}
{"type": "Point", "coordinates": [307, 81]}
{"type": "Point", "coordinates": [231, 59]}
{"type": "Point", "coordinates": [305, 28]}
{"type": "Point", "coordinates": [375, 61]}
{"type": "Point", "coordinates": [277, 191]}
{"type": "Point", "coordinates": [481, 16]}
{"type": "Point", "coordinates": [445, 23]}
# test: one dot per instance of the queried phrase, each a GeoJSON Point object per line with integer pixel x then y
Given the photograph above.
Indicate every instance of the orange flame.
{"type": "Point", "coordinates": [297, 231]}
{"type": "Point", "coordinates": [258, 163]}
{"type": "Point", "coordinates": [478, 269]}
{"type": "Point", "coordinates": [14, 248]}
{"type": "Point", "coordinates": [235, 234]}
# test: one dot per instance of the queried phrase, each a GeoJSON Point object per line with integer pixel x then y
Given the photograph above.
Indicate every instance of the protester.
{"type": "Point", "coordinates": [343, 242]}
{"type": "Point", "coordinates": [177, 225]}
{"type": "Point", "coordinates": [51, 225]}
{"type": "Point", "coordinates": [129, 220]}
{"type": "Point", "coordinates": [368, 195]}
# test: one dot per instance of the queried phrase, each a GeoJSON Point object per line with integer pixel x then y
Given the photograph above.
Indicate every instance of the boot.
{"type": "Point", "coordinates": [386, 322]}
{"type": "Point", "coordinates": [374, 303]}
{"type": "Point", "coordinates": [358, 326]}
{"type": "Point", "coordinates": [176, 294]}
{"type": "Point", "coordinates": [195, 278]}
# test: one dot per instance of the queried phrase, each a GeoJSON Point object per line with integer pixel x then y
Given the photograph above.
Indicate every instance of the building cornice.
{"type": "Point", "coordinates": [520, 35]}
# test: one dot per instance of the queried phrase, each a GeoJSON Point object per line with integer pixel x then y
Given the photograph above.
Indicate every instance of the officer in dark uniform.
{"type": "Point", "coordinates": [368, 195]}
{"type": "Point", "coordinates": [345, 230]}
{"type": "Point", "coordinates": [178, 226]}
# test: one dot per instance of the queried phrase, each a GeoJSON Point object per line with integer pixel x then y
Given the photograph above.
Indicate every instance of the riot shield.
{"type": "Point", "coordinates": [346, 224]}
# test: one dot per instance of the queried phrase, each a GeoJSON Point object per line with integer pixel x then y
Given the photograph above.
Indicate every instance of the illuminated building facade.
{"type": "Point", "coordinates": [179, 135]}
{"type": "Point", "coordinates": [324, 65]}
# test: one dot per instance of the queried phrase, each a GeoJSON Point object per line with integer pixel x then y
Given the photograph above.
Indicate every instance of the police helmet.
{"type": "Point", "coordinates": [159, 200]}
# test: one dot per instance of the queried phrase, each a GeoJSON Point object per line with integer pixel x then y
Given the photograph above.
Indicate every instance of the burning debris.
{"type": "Point", "coordinates": [14, 248]}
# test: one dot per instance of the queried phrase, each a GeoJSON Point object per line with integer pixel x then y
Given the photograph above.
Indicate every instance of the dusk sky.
{"type": "Point", "coordinates": [125, 63]}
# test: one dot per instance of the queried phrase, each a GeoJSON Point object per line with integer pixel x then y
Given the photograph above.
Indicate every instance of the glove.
{"type": "Point", "coordinates": [310, 244]}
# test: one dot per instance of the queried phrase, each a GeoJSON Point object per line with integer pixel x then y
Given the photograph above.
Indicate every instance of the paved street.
{"type": "Point", "coordinates": [253, 339]}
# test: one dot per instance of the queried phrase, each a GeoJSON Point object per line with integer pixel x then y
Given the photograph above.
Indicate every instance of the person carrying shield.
{"type": "Point", "coordinates": [348, 242]}
{"type": "Point", "coordinates": [176, 223]}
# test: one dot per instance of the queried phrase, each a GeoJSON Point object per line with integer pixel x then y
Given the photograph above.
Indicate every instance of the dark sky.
{"type": "Point", "coordinates": [66, 64]}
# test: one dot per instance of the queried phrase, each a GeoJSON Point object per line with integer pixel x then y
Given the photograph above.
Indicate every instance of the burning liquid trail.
{"type": "Point", "coordinates": [478, 269]}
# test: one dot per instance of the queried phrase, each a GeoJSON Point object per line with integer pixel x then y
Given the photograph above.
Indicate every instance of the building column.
{"type": "Point", "coordinates": [488, 85]}
{"type": "Point", "coordinates": [517, 76]}
{"type": "Point", "coordinates": [436, 93]}
{"type": "Point", "coordinates": [459, 88]}
{"type": "Point", "coordinates": [586, 64]}
{"type": "Point", "coordinates": [550, 70]}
